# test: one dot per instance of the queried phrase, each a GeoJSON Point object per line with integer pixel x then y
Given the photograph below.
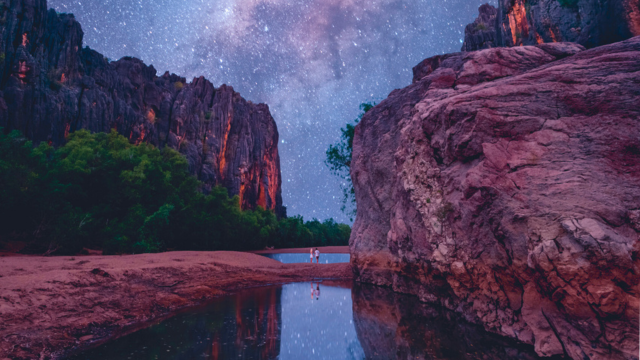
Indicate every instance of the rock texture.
{"type": "Point", "coordinates": [528, 22]}
{"type": "Point", "coordinates": [51, 86]}
{"type": "Point", "coordinates": [481, 34]}
{"type": "Point", "coordinates": [396, 326]}
{"type": "Point", "coordinates": [504, 184]}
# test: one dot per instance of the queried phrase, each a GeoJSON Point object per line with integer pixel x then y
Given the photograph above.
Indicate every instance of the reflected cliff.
{"type": "Point", "coordinates": [396, 326]}
{"type": "Point", "coordinates": [241, 326]}
{"type": "Point", "coordinates": [317, 320]}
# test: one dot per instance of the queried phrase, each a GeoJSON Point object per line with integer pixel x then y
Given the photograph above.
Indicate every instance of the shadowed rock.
{"type": "Point", "coordinates": [51, 86]}
{"type": "Point", "coordinates": [396, 326]}
{"type": "Point", "coordinates": [528, 22]}
{"type": "Point", "coordinates": [481, 34]}
{"type": "Point", "coordinates": [504, 184]}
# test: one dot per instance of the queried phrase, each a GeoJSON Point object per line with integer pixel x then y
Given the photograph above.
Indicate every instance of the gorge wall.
{"type": "Point", "coordinates": [504, 184]}
{"type": "Point", "coordinates": [529, 22]}
{"type": "Point", "coordinates": [50, 86]}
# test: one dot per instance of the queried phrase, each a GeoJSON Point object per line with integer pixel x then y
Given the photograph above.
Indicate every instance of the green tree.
{"type": "Point", "coordinates": [339, 161]}
{"type": "Point", "coordinates": [99, 191]}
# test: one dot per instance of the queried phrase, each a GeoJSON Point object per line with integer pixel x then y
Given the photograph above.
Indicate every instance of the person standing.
{"type": "Point", "coordinates": [317, 256]}
{"type": "Point", "coordinates": [311, 255]}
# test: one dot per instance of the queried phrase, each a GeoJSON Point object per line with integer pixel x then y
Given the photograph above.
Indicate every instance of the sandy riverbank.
{"type": "Point", "coordinates": [49, 305]}
{"type": "Point", "coordinates": [323, 250]}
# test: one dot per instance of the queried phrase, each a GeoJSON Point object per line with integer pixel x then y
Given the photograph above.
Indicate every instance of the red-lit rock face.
{"type": "Point", "coordinates": [505, 184]}
{"type": "Point", "coordinates": [227, 140]}
{"type": "Point", "coordinates": [22, 69]}
{"type": "Point", "coordinates": [526, 22]}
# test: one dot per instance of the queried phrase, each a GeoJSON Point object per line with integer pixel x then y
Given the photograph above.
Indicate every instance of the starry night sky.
{"type": "Point", "coordinates": [312, 61]}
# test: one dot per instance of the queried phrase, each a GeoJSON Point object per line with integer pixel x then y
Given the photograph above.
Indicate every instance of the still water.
{"type": "Point", "coordinates": [325, 320]}
{"type": "Point", "coordinates": [302, 258]}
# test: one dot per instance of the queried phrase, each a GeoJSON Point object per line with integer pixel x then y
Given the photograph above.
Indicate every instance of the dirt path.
{"type": "Point", "coordinates": [50, 305]}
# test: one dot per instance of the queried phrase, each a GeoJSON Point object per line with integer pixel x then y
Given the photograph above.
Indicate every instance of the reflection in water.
{"type": "Point", "coordinates": [304, 258]}
{"type": "Point", "coordinates": [275, 322]}
{"type": "Point", "coordinates": [395, 326]}
{"type": "Point", "coordinates": [241, 326]}
{"type": "Point", "coordinates": [317, 322]}
{"type": "Point", "coordinates": [296, 321]}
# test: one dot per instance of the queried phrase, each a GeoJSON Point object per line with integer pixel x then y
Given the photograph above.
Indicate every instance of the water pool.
{"type": "Point", "coordinates": [301, 258]}
{"type": "Point", "coordinates": [319, 320]}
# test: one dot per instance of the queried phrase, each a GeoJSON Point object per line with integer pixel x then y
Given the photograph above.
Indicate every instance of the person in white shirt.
{"type": "Point", "coordinates": [311, 255]}
{"type": "Point", "coordinates": [317, 256]}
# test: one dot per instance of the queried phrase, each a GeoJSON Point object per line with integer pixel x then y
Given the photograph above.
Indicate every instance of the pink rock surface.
{"type": "Point", "coordinates": [505, 184]}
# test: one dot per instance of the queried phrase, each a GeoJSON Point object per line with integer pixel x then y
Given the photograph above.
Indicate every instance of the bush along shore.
{"type": "Point", "coordinates": [99, 191]}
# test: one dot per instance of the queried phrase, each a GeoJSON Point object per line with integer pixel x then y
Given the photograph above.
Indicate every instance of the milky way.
{"type": "Point", "coordinates": [312, 61]}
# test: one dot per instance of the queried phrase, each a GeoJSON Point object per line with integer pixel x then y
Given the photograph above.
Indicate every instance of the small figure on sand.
{"type": "Point", "coordinates": [317, 256]}
{"type": "Point", "coordinates": [311, 255]}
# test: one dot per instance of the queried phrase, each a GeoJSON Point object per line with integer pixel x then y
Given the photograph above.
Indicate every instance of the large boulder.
{"type": "Point", "coordinates": [504, 184]}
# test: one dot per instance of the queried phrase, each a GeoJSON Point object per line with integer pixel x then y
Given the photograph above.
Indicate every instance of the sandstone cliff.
{"type": "Point", "coordinates": [504, 184]}
{"type": "Point", "coordinates": [528, 22]}
{"type": "Point", "coordinates": [50, 86]}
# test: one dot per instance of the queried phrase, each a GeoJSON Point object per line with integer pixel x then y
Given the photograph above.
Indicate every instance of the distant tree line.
{"type": "Point", "coordinates": [99, 191]}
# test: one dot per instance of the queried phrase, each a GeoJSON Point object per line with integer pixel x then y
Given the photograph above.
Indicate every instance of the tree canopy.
{"type": "Point", "coordinates": [339, 161]}
{"type": "Point", "coordinates": [100, 191]}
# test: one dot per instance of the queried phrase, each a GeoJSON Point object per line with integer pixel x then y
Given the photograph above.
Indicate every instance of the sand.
{"type": "Point", "coordinates": [50, 306]}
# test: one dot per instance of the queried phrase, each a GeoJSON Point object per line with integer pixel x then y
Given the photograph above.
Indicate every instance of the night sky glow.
{"type": "Point", "coordinates": [312, 61]}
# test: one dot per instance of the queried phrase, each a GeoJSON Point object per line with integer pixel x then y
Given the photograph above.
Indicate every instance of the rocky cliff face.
{"type": "Point", "coordinates": [528, 22]}
{"type": "Point", "coordinates": [52, 86]}
{"type": "Point", "coordinates": [504, 184]}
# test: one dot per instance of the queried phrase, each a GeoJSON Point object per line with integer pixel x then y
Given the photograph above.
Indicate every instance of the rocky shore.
{"type": "Point", "coordinates": [50, 306]}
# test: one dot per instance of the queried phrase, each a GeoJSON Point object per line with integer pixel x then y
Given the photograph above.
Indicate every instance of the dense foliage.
{"type": "Point", "coordinates": [339, 161]}
{"type": "Point", "coordinates": [100, 191]}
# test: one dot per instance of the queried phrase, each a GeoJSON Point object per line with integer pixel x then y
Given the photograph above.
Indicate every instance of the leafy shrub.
{"type": "Point", "coordinates": [339, 160]}
{"type": "Point", "coordinates": [100, 191]}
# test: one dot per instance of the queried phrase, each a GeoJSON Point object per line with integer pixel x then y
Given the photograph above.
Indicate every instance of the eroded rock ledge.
{"type": "Point", "coordinates": [504, 184]}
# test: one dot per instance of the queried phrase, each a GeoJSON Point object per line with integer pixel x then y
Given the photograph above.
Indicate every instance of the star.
{"type": "Point", "coordinates": [312, 61]}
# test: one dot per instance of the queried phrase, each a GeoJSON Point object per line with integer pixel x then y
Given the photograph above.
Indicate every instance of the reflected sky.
{"type": "Point", "coordinates": [304, 258]}
{"type": "Point", "coordinates": [321, 326]}
{"type": "Point", "coordinates": [293, 321]}
{"type": "Point", "coordinates": [319, 320]}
